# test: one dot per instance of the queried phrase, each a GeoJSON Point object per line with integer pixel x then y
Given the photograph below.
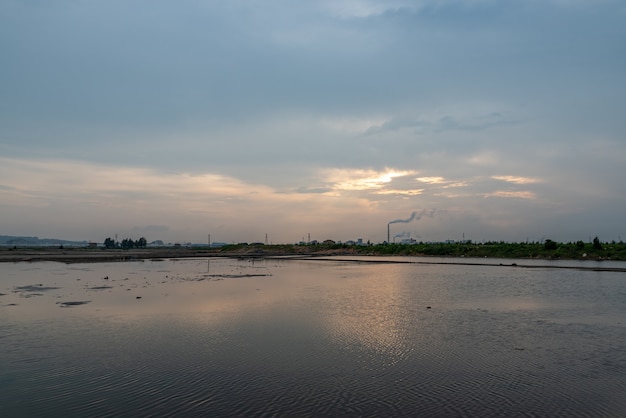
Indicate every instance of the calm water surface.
{"type": "Point", "coordinates": [230, 337]}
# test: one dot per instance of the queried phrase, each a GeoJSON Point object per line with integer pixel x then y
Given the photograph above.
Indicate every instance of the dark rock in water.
{"type": "Point", "coordinates": [138, 297]}
{"type": "Point", "coordinates": [428, 307]}
{"type": "Point", "coordinates": [73, 303]}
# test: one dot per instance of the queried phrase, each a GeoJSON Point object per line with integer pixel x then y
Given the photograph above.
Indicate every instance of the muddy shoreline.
{"type": "Point", "coordinates": [81, 255]}
{"type": "Point", "coordinates": [85, 255]}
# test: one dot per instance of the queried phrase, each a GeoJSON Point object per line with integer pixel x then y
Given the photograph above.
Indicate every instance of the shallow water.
{"type": "Point", "coordinates": [230, 337]}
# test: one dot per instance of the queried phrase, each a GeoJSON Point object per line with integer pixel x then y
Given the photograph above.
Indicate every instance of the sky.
{"type": "Point", "coordinates": [490, 120]}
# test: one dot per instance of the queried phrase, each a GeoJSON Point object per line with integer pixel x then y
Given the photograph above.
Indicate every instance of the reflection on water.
{"type": "Point", "coordinates": [308, 338]}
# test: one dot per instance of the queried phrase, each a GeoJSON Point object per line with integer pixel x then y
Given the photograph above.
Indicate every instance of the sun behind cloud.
{"type": "Point", "coordinates": [358, 179]}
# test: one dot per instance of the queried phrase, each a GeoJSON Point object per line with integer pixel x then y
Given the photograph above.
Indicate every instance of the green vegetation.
{"type": "Point", "coordinates": [127, 249]}
{"type": "Point", "coordinates": [547, 249]}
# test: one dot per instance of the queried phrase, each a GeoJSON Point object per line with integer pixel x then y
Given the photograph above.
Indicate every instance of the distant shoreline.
{"type": "Point", "coordinates": [87, 255]}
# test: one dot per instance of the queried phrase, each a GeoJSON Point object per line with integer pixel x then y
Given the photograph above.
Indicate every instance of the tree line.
{"type": "Point", "coordinates": [126, 243]}
{"type": "Point", "coordinates": [595, 249]}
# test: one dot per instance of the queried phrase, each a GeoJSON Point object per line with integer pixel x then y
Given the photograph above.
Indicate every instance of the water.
{"type": "Point", "coordinates": [232, 337]}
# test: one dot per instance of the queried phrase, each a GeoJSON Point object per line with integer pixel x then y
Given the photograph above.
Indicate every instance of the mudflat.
{"type": "Point", "coordinates": [86, 255]}
{"type": "Point", "coordinates": [89, 255]}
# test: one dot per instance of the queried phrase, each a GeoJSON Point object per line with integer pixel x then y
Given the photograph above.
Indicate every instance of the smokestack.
{"type": "Point", "coordinates": [414, 217]}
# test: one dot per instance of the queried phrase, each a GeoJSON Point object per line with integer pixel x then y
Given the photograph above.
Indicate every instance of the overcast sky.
{"type": "Point", "coordinates": [493, 120]}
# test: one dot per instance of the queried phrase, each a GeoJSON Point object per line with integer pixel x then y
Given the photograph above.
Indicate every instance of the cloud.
{"type": "Point", "coordinates": [327, 115]}
{"type": "Point", "coordinates": [511, 194]}
{"type": "Point", "coordinates": [360, 9]}
{"type": "Point", "coordinates": [468, 117]}
{"type": "Point", "coordinates": [413, 192]}
{"type": "Point", "coordinates": [395, 124]}
{"type": "Point", "coordinates": [352, 180]}
{"type": "Point", "coordinates": [437, 182]}
{"type": "Point", "coordinates": [517, 179]}
{"type": "Point", "coordinates": [319, 190]}
{"type": "Point", "coordinates": [352, 125]}
{"type": "Point", "coordinates": [432, 180]}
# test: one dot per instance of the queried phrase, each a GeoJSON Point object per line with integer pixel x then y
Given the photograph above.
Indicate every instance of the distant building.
{"type": "Point", "coordinates": [329, 242]}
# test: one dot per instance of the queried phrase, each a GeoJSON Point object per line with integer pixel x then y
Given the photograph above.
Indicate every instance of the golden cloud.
{"type": "Point", "coordinates": [517, 179]}
{"type": "Point", "coordinates": [432, 180]}
{"type": "Point", "coordinates": [413, 192]}
{"type": "Point", "coordinates": [355, 179]}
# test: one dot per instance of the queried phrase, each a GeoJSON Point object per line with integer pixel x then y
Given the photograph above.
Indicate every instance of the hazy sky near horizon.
{"type": "Point", "coordinates": [493, 120]}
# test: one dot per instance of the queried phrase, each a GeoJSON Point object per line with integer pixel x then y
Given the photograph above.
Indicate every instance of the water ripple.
{"type": "Point", "coordinates": [359, 341]}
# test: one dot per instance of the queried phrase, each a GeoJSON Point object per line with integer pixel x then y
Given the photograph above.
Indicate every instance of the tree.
{"type": "Point", "coordinates": [109, 243]}
{"type": "Point", "coordinates": [597, 244]}
{"type": "Point", "coordinates": [127, 243]}
{"type": "Point", "coordinates": [141, 243]}
{"type": "Point", "coordinates": [549, 244]}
